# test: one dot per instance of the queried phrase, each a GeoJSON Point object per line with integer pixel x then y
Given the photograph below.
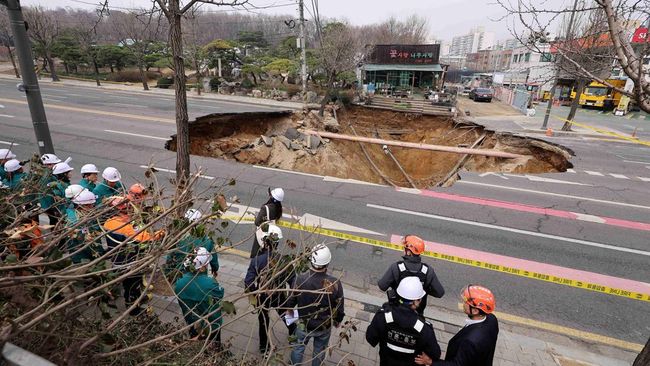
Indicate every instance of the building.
{"type": "Point", "coordinates": [389, 68]}
{"type": "Point", "coordinates": [531, 67]}
{"type": "Point", "coordinates": [477, 39]}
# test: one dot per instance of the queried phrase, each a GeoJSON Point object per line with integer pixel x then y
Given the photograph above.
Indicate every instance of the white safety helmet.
{"type": "Point", "coordinates": [272, 230]}
{"type": "Point", "coordinates": [277, 194]}
{"type": "Point", "coordinates": [50, 159]}
{"type": "Point", "coordinates": [61, 168]}
{"type": "Point", "coordinates": [89, 168]}
{"type": "Point", "coordinates": [12, 165]}
{"type": "Point", "coordinates": [202, 258]}
{"type": "Point", "coordinates": [85, 197]}
{"type": "Point", "coordinates": [193, 215]}
{"type": "Point", "coordinates": [6, 154]}
{"type": "Point", "coordinates": [410, 288]}
{"type": "Point", "coordinates": [73, 191]}
{"type": "Point", "coordinates": [320, 256]}
{"type": "Point", "coordinates": [111, 174]}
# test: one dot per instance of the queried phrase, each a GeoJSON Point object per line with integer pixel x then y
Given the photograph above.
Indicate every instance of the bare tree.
{"type": "Point", "coordinates": [6, 38]}
{"type": "Point", "coordinates": [44, 29]}
{"type": "Point", "coordinates": [412, 30]}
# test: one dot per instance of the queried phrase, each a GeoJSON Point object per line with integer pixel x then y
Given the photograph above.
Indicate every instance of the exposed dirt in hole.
{"type": "Point", "coordinates": [274, 139]}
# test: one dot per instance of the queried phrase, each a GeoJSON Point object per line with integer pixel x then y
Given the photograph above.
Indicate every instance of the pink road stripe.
{"type": "Point", "coordinates": [531, 266]}
{"type": "Point", "coordinates": [536, 210]}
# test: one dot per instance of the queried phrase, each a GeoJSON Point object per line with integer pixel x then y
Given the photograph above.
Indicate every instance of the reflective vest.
{"type": "Point", "coordinates": [405, 272]}
{"type": "Point", "coordinates": [402, 341]}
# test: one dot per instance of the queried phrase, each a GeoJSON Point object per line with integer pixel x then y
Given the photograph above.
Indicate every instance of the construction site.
{"type": "Point", "coordinates": [376, 145]}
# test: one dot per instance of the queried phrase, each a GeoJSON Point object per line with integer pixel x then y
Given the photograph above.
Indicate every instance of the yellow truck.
{"type": "Point", "coordinates": [601, 96]}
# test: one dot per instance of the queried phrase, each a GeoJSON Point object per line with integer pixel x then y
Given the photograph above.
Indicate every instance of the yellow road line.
{"type": "Point", "coordinates": [95, 111]}
{"type": "Point", "coordinates": [571, 332]}
{"type": "Point", "coordinates": [606, 132]}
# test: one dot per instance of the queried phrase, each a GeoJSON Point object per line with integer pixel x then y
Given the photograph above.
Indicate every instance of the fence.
{"type": "Point", "coordinates": [517, 98]}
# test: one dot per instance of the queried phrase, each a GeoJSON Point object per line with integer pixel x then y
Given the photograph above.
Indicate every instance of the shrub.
{"type": "Point", "coordinates": [246, 83]}
{"type": "Point", "coordinates": [130, 76]}
{"type": "Point", "coordinates": [214, 83]}
{"type": "Point", "coordinates": [165, 82]}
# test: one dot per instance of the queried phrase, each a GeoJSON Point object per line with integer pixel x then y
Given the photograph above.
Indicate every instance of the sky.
{"type": "Point", "coordinates": [447, 18]}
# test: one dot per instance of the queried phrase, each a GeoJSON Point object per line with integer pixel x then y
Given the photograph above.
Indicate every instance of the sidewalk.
{"type": "Point", "coordinates": [513, 349]}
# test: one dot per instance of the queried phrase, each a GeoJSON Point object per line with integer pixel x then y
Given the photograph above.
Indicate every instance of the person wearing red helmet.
{"type": "Point", "coordinates": [475, 343]}
{"type": "Point", "coordinates": [411, 265]}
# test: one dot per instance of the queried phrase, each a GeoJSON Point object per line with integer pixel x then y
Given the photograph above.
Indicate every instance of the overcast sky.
{"type": "Point", "coordinates": [447, 18]}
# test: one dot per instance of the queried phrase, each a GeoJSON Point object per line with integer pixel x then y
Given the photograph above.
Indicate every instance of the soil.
{"type": "Point", "coordinates": [238, 137]}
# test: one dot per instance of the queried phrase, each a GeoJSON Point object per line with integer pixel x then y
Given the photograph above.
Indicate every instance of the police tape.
{"type": "Point", "coordinates": [606, 132]}
{"type": "Point", "coordinates": [464, 261]}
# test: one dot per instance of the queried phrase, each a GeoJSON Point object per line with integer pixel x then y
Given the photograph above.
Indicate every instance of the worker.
{"type": "Point", "coordinates": [62, 172]}
{"type": "Point", "coordinates": [137, 192]}
{"type": "Point", "coordinates": [199, 296]}
{"type": "Point", "coordinates": [84, 242]}
{"type": "Point", "coordinates": [197, 237]}
{"type": "Point", "coordinates": [270, 211]}
{"type": "Point", "coordinates": [89, 176]}
{"type": "Point", "coordinates": [120, 228]}
{"type": "Point", "coordinates": [268, 271]}
{"type": "Point", "coordinates": [320, 307]}
{"type": "Point", "coordinates": [111, 186]}
{"type": "Point", "coordinates": [411, 265]}
{"type": "Point", "coordinates": [46, 200]}
{"type": "Point", "coordinates": [5, 156]}
{"type": "Point", "coordinates": [402, 333]}
{"type": "Point", "coordinates": [14, 174]}
{"type": "Point", "coordinates": [475, 343]}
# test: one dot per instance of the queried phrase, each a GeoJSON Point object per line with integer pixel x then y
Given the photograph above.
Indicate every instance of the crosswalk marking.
{"type": "Point", "coordinates": [620, 176]}
{"type": "Point", "coordinates": [590, 172]}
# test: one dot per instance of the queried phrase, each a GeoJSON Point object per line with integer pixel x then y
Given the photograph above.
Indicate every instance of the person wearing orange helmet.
{"type": "Point", "coordinates": [411, 265]}
{"type": "Point", "coordinates": [475, 343]}
{"type": "Point", "coordinates": [137, 192]}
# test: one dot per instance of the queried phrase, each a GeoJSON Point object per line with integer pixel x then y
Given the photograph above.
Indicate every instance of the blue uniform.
{"type": "Point", "coordinates": [186, 246]}
{"type": "Point", "coordinates": [47, 198]}
{"type": "Point", "coordinates": [200, 295]}
{"type": "Point", "coordinates": [87, 184]}
{"type": "Point", "coordinates": [81, 236]}
{"type": "Point", "coordinates": [103, 191]}
{"type": "Point", "coordinates": [15, 180]}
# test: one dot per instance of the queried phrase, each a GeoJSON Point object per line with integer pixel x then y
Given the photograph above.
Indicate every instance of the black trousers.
{"type": "Point", "coordinates": [423, 305]}
{"type": "Point", "coordinates": [264, 321]}
{"type": "Point", "coordinates": [132, 289]}
{"type": "Point", "coordinates": [54, 215]}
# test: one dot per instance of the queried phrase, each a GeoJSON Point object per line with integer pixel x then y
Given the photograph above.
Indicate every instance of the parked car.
{"type": "Point", "coordinates": [478, 94]}
{"type": "Point", "coordinates": [465, 90]}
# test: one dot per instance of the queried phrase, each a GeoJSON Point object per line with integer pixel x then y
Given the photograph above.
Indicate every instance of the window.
{"type": "Point", "coordinates": [527, 57]}
{"type": "Point", "coordinates": [546, 57]}
{"type": "Point", "coordinates": [515, 58]}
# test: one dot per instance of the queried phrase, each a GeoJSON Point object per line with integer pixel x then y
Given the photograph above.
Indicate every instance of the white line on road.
{"type": "Point", "coordinates": [137, 135]}
{"type": "Point", "coordinates": [644, 179]}
{"type": "Point", "coordinates": [8, 143]}
{"type": "Point", "coordinates": [590, 172]}
{"type": "Point", "coordinates": [619, 176]}
{"type": "Point", "coordinates": [125, 105]}
{"type": "Point", "coordinates": [579, 198]}
{"type": "Point", "coordinates": [512, 230]}
{"type": "Point", "coordinates": [174, 172]}
{"type": "Point", "coordinates": [288, 171]}
{"type": "Point", "coordinates": [534, 178]}
{"type": "Point", "coordinates": [636, 162]}
{"type": "Point", "coordinates": [6, 115]}
{"type": "Point", "coordinates": [53, 96]}
{"type": "Point", "coordinates": [570, 171]}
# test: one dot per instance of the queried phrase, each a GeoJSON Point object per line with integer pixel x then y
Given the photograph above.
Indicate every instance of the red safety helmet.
{"type": "Point", "coordinates": [137, 190]}
{"type": "Point", "coordinates": [414, 243]}
{"type": "Point", "coordinates": [479, 297]}
{"type": "Point", "coordinates": [120, 202]}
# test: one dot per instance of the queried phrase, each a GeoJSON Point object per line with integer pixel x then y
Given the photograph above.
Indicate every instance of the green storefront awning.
{"type": "Point", "coordinates": [398, 67]}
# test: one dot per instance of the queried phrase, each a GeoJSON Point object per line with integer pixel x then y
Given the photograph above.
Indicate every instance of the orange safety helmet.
{"type": "Point", "coordinates": [119, 202]}
{"type": "Point", "coordinates": [414, 243]}
{"type": "Point", "coordinates": [479, 297]}
{"type": "Point", "coordinates": [137, 190]}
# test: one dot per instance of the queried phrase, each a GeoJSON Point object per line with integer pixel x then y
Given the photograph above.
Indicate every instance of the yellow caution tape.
{"type": "Point", "coordinates": [464, 261]}
{"type": "Point", "coordinates": [606, 132]}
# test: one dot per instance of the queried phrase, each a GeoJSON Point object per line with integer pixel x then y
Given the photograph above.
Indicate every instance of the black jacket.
{"type": "Point", "coordinates": [421, 339]}
{"type": "Point", "coordinates": [269, 265]}
{"type": "Point", "coordinates": [473, 345]}
{"type": "Point", "coordinates": [413, 264]}
{"type": "Point", "coordinates": [270, 211]}
{"type": "Point", "coordinates": [316, 310]}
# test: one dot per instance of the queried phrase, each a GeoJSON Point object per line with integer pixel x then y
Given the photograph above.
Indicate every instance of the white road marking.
{"type": "Point", "coordinates": [578, 198]}
{"type": "Point", "coordinates": [534, 178]}
{"type": "Point", "coordinates": [126, 105]}
{"type": "Point", "coordinates": [9, 143]}
{"type": "Point", "coordinates": [570, 171]}
{"type": "Point", "coordinates": [52, 99]}
{"type": "Point", "coordinates": [644, 179]}
{"type": "Point", "coordinates": [1, 106]}
{"type": "Point", "coordinates": [288, 171]}
{"type": "Point", "coordinates": [352, 181]}
{"type": "Point", "coordinates": [174, 172]}
{"type": "Point", "coordinates": [636, 162]}
{"type": "Point", "coordinates": [53, 96]}
{"type": "Point", "coordinates": [495, 174]}
{"type": "Point", "coordinates": [619, 176]}
{"type": "Point", "coordinates": [590, 172]}
{"type": "Point", "coordinates": [137, 135]}
{"type": "Point", "coordinates": [6, 115]}
{"type": "Point", "coordinates": [590, 218]}
{"type": "Point", "coordinates": [512, 230]}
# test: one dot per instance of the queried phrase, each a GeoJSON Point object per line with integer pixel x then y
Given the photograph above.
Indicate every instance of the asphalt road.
{"type": "Point", "coordinates": [84, 125]}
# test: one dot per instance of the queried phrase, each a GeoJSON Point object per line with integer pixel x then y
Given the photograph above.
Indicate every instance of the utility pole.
{"type": "Point", "coordinates": [303, 54]}
{"type": "Point", "coordinates": [557, 68]}
{"type": "Point", "coordinates": [30, 82]}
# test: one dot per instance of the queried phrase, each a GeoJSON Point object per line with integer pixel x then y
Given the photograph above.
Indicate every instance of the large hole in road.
{"type": "Point", "coordinates": [274, 139]}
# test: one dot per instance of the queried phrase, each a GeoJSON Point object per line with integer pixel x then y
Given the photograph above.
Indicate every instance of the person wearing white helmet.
{"type": "Point", "coordinates": [321, 305]}
{"type": "Point", "coordinates": [195, 238]}
{"type": "Point", "coordinates": [199, 296]}
{"type": "Point", "coordinates": [271, 211]}
{"type": "Point", "coordinates": [89, 176]}
{"type": "Point", "coordinates": [402, 334]}
{"type": "Point", "coordinates": [111, 186]}
{"type": "Point", "coordinates": [47, 182]}
{"type": "Point", "coordinates": [14, 174]}
{"type": "Point", "coordinates": [268, 261]}
{"type": "Point", "coordinates": [62, 172]}
{"type": "Point", "coordinates": [5, 156]}
{"type": "Point", "coordinates": [84, 242]}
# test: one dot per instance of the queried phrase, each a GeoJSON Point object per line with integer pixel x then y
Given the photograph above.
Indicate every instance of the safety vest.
{"type": "Point", "coordinates": [402, 340]}
{"type": "Point", "coordinates": [405, 272]}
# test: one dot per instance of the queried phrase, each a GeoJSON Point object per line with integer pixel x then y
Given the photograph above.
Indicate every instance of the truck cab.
{"type": "Point", "coordinates": [601, 96]}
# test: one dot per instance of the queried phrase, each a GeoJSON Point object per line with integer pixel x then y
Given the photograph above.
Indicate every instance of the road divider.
{"type": "Point", "coordinates": [520, 272]}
